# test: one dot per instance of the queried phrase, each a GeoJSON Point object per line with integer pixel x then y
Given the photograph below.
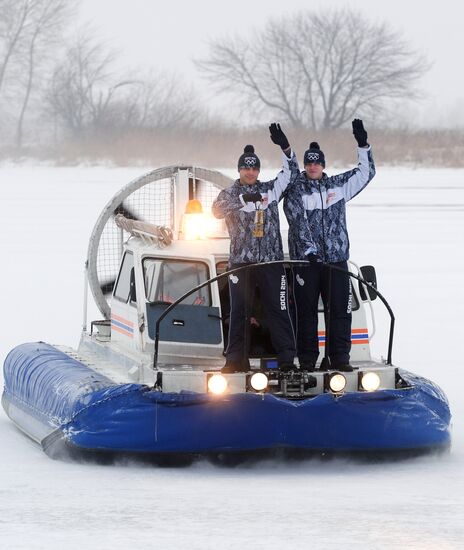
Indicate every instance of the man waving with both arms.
{"type": "Point", "coordinates": [316, 213]}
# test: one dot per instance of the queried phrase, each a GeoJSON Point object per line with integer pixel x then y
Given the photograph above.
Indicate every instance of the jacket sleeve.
{"type": "Point", "coordinates": [354, 181]}
{"type": "Point", "coordinates": [285, 178]}
{"type": "Point", "coordinates": [226, 203]}
{"type": "Point", "coordinates": [297, 222]}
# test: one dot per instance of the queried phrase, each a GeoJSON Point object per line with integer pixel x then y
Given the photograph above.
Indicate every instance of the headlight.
{"type": "Point", "coordinates": [217, 384]}
{"type": "Point", "coordinates": [259, 381]}
{"type": "Point", "coordinates": [337, 382]}
{"type": "Point", "coordinates": [370, 381]}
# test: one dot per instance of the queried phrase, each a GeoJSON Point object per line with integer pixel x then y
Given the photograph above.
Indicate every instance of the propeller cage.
{"type": "Point", "coordinates": [157, 198]}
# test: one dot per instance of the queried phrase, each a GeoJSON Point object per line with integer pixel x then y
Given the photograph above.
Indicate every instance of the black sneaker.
{"type": "Point", "coordinates": [342, 367]}
{"type": "Point", "coordinates": [287, 366]}
{"type": "Point", "coordinates": [307, 366]}
{"type": "Point", "coordinates": [231, 367]}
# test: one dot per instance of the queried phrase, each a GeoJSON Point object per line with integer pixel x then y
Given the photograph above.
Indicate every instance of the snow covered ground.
{"type": "Point", "coordinates": [408, 223]}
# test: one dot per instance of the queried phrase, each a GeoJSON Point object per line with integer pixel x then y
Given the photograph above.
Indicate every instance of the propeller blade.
{"type": "Point", "coordinates": [125, 211]}
{"type": "Point", "coordinates": [107, 288]}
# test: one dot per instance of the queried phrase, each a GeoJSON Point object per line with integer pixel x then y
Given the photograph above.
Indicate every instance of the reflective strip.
{"type": "Point", "coordinates": [358, 336]}
{"type": "Point", "coordinates": [122, 320]}
{"type": "Point", "coordinates": [121, 331]}
{"type": "Point", "coordinates": [121, 325]}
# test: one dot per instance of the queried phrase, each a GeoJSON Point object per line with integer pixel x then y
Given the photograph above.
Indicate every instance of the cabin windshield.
{"type": "Point", "coordinates": [167, 280]}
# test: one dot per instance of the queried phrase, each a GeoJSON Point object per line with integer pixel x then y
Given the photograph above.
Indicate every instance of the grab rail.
{"type": "Point", "coordinates": [263, 264]}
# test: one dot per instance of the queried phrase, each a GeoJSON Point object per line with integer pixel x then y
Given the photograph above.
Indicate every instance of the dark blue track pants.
{"type": "Point", "coordinates": [308, 283]}
{"type": "Point", "coordinates": [272, 283]}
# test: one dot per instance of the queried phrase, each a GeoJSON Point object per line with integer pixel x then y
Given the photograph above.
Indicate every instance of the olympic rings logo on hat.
{"type": "Point", "coordinates": [249, 161]}
{"type": "Point", "coordinates": [312, 156]}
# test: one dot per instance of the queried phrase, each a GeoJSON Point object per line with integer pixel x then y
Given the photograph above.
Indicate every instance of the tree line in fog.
{"type": "Point", "coordinates": [312, 70]}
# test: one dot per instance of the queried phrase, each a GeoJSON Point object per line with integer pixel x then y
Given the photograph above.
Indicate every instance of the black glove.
{"type": "Point", "coordinates": [313, 259]}
{"type": "Point", "coordinates": [360, 135]}
{"type": "Point", "coordinates": [278, 137]}
{"type": "Point", "coordinates": [252, 197]}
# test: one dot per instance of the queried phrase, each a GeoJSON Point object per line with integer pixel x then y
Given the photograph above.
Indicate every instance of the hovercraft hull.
{"type": "Point", "coordinates": [61, 402]}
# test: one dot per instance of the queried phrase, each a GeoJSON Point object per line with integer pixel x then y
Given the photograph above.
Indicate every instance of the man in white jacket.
{"type": "Point", "coordinates": [316, 213]}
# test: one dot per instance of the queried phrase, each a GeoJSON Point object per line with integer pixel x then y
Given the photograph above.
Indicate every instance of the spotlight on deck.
{"type": "Point", "coordinates": [217, 384]}
{"type": "Point", "coordinates": [259, 381]}
{"type": "Point", "coordinates": [370, 381]}
{"type": "Point", "coordinates": [337, 382]}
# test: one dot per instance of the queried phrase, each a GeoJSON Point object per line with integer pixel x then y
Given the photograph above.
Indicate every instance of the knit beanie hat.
{"type": "Point", "coordinates": [249, 159]}
{"type": "Point", "coordinates": [314, 154]}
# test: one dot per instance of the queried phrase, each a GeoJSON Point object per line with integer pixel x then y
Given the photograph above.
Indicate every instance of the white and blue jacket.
{"type": "Point", "coordinates": [240, 216]}
{"type": "Point", "coordinates": [316, 212]}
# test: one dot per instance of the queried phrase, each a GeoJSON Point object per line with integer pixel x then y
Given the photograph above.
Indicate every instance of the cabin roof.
{"type": "Point", "coordinates": [185, 249]}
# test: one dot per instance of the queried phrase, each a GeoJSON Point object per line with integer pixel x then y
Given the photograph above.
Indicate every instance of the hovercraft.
{"type": "Point", "coordinates": [146, 378]}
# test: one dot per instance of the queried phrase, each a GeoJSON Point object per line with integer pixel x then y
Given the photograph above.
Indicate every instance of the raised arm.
{"type": "Point", "coordinates": [354, 181]}
{"type": "Point", "coordinates": [290, 169]}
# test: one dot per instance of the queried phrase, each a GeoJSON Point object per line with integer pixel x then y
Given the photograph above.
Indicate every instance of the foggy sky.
{"type": "Point", "coordinates": [168, 34]}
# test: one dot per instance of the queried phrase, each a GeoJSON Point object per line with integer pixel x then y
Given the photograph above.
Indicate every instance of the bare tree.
{"type": "Point", "coordinates": [48, 18]}
{"type": "Point", "coordinates": [29, 33]}
{"type": "Point", "coordinates": [160, 101]}
{"type": "Point", "coordinates": [87, 94]}
{"type": "Point", "coordinates": [84, 85]}
{"type": "Point", "coordinates": [14, 18]}
{"type": "Point", "coordinates": [13, 26]}
{"type": "Point", "coordinates": [316, 69]}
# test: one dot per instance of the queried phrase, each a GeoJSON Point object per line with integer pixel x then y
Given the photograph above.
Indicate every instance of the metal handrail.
{"type": "Point", "coordinates": [262, 264]}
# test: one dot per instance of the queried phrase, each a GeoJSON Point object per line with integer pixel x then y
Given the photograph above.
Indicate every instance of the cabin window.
{"type": "Point", "coordinates": [125, 283]}
{"type": "Point", "coordinates": [167, 280]}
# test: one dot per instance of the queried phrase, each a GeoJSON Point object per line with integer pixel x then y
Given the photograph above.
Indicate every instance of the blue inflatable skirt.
{"type": "Point", "coordinates": [59, 402]}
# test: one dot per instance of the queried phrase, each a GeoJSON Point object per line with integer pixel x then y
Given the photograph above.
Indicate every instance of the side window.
{"type": "Point", "coordinates": [125, 282]}
{"type": "Point", "coordinates": [168, 280]}
{"type": "Point", "coordinates": [150, 275]}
